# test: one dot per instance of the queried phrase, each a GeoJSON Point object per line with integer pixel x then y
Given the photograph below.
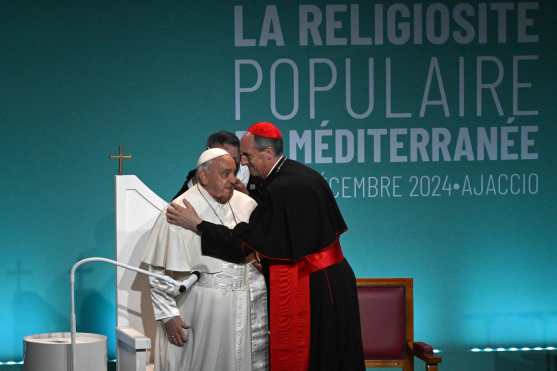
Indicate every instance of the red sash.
{"type": "Point", "coordinates": [290, 308]}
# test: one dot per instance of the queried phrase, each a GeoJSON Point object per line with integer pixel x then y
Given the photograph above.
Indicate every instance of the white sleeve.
{"type": "Point", "coordinates": [164, 304]}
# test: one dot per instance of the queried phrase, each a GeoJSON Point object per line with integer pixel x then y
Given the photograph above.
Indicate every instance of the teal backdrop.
{"type": "Point", "coordinates": [433, 122]}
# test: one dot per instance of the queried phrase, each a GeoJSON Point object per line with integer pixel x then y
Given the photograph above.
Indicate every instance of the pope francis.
{"type": "Point", "coordinates": [221, 323]}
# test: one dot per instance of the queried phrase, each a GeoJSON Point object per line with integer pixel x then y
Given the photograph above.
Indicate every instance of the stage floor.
{"type": "Point", "coordinates": [458, 360]}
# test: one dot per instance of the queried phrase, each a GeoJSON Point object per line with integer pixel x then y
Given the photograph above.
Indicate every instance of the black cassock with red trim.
{"type": "Point", "coordinates": [314, 316]}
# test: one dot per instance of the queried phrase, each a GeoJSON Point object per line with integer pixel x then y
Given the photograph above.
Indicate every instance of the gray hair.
{"type": "Point", "coordinates": [206, 165]}
{"type": "Point", "coordinates": [275, 144]}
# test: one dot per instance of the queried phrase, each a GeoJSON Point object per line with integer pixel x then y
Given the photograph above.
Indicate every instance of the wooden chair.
{"type": "Point", "coordinates": [387, 319]}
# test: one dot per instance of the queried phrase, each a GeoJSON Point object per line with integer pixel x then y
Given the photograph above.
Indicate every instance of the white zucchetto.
{"type": "Point", "coordinates": [211, 154]}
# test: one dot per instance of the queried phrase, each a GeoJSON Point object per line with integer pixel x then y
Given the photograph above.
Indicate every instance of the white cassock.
{"type": "Point", "coordinates": [226, 308]}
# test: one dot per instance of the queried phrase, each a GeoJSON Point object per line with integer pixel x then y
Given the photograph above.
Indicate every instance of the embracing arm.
{"type": "Point", "coordinates": [216, 240]}
{"type": "Point", "coordinates": [221, 242]}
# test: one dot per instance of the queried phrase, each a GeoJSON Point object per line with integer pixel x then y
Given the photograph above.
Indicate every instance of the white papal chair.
{"type": "Point", "coordinates": [137, 208]}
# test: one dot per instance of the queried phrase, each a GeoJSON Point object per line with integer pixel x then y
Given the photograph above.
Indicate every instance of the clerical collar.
{"type": "Point", "coordinates": [279, 161]}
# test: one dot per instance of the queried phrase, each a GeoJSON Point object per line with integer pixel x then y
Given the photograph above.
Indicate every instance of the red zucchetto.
{"type": "Point", "coordinates": [265, 130]}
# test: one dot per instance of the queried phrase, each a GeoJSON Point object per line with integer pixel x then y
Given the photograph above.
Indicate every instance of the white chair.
{"type": "Point", "coordinates": [137, 207]}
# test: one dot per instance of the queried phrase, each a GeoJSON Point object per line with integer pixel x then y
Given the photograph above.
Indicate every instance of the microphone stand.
{"type": "Point", "coordinates": [179, 285]}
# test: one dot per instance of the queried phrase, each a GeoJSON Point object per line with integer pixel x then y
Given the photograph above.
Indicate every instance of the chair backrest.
{"type": "Point", "coordinates": [386, 314]}
{"type": "Point", "coordinates": [137, 208]}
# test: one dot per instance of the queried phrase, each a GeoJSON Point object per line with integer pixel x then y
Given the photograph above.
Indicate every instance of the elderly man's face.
{"type": "Point", "coordinates": [254, 159]}
{"type": "Point", "coordinates": [219, 178]}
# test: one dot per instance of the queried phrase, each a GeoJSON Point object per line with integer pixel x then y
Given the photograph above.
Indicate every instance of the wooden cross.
{"type": "Point", "coordinates": [120, 157]}
{"type": "Point", "coordinates": [19, 273]}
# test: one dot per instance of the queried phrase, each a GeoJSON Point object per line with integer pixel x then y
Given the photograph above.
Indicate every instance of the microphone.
{"type": "Point", "coordinates": [186, 284]}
